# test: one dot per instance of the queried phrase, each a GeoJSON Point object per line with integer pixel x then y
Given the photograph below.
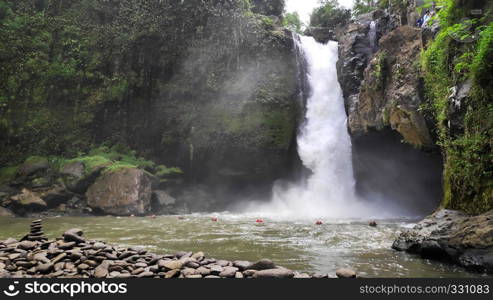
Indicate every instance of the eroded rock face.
{"type": "Point", "coordinates": [453, 236]}
{"type": "Point", "coordinates": [5, 212]}
{"type": "Point", "coordinates": [391, 92]}
{"type": "Point", "coordinates": [123, 192]}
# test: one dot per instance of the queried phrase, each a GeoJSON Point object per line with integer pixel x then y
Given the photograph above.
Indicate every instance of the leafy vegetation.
{"type": "Point", "coordinates": [453, 59]}
{"type": "Point", "coordinates": [329, 15]}
{"type": "Point", "coordinates": [292, 22]}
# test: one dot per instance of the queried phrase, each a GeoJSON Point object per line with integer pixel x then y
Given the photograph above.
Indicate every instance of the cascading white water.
{"type": "Point", "coordinates": [372, 35]}
{"type": "Point", "coordinates": [324, 146]}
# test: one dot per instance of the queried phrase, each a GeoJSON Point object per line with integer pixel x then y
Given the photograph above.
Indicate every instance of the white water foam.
{"type": "Point", "coordinates": [324, 146]}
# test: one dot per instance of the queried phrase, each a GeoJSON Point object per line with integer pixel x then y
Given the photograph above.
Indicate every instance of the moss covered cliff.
{"type": "Point", "coordinates": [431, 85]}
{"type": "Point", "coordinates": [209, 86]}
{"type": "Point", "coordinates": [458, 72]}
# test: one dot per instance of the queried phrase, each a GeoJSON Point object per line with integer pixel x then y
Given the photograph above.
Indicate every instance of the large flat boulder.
{"type": "Point", "coordinates": [122, 192]}
{"type": "Point", "coordinates": [5, 212]}
{"type": "Point", "coordinates": [451, 235]}
{"type": "Point", "coordinates": [28, 201]}
{"type": "Point", "coordinates": [34, 164]}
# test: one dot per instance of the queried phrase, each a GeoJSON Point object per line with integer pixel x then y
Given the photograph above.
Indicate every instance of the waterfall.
{"type": "Point", "coordinates": [324, 146]}
{"type": "Point", "coordinates": [372, 35]}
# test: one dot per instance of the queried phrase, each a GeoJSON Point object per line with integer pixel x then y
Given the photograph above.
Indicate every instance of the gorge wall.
{"type": "Point", "coordinates": [415, 97]}
{"type": "Point", "coordinates": [206, 86]}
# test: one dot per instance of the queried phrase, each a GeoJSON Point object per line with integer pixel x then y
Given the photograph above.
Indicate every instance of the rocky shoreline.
{"type": "Point", "coordinates": [74, 256]}
{"type": "Point", "coordinates": [452, 236]}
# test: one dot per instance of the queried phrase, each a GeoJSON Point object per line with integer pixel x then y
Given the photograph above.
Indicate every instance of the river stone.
{"type": "Point", "coordinates": [13, 256]}
{"type": "Point", "coordinates": [34, 164]}
{"type": "Point", "coordinates": [212, 276]}
{"type": "Point", "coordinates": [274, 273]}
{"type": "Point", "coordinates": [25, 264]}
{"type": "Point", "coordinates": [59, 266]}
{"type": "Point", "coordinates": [189, 271]}
{"type": "Point", "coordinates": [198, 256]}
{"type": "Point", "coordinates": [56, 196]}
{"type": "Point", "coordinates": [141, 265]}
{"type": "Point", "coordinates": [183, 255]}
{"type": "Point", "coordinates": [138, 271]}
{"type": "Point", "coordinates": [191, 264]}
{"type": "Point", "coordinates": [249, 273]}
{"type": "Point", "coordinates": [345, 273]}
{"type": "Point", "coordinates": [5, 212]}
{"type": "Point", "coordinates": [204, 271]}
{"type": "Point", "coordinates": [239, 275]}
{"type": "Point", "coordinates": [114, 274]}
{"type": "Point", "coordinates": [163, 199]}
{"type": "Point", "coordinates": [194, 276]}
{"type": "Point", "coordinates": [302, 276]}
{"type": "Point", "coordinates": [66, 245]}
{"type": "Point", "coordinates": [45, 268]}
{"type": "Point", "coordinates": [26, 245]}
{"type": "Point", "coordinates": [75, 231]}
{"type": "Point", "coordinates": [241, 264]}
{"type": "Point", "coordinates": [74, 169]}
{"type": "Point", "coordinates": [123, 192]}
{"type": "Point", "coordinates": [59, 257]}
{"type": "Point", "coordinates": [263, 264]}
{"type": "Point", "coordinates": [83, 267]}
{"type": "Point", "coordinates": [172, 264]}
{"type": "Point", "coordinates": [41, 256]}
{"type": "Point", "coordinates": [146, 274]}
{"type": "Point", "coordinates": [101, 271]}
{"type": "Point", "coordinates": [10, 241]}
{"type": "Point", "coordinates": [56, 274]}
{"type": "Point", "coordinates": [452, 235]}
{"type": "Point", "coordinates": [98, 246]}
{"type": "Point", "coordinates": [228, 272]}
{"type": "Point", "coordinates": [223, 263]}
{"type": "Point", "coordinates": [172, 273]}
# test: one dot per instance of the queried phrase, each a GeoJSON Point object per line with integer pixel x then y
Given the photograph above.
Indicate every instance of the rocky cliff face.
{"type": "Point", "coordinates": [380, 77]}
{"type": "Point", "coordinates": [379, 72]}
{"type": "Point", "coordinates": [392, 92]}
{"type": "Point", "coordinates": [208, 86]}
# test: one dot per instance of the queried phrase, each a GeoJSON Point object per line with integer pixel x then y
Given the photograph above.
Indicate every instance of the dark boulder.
{"type": "Point", "coordinates": [452, 236]}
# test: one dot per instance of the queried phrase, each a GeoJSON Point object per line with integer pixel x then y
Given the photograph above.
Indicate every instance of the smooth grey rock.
{"type": "Point", "coordinates": [263, 264]}
{"type": "Point", "coordinates": [242, 264]}
{"type": "Point", "coordinates": [346, 273]}
{"type": "Point", "coordinates": [274, 273]}
{"type": "Point", "coordinates": [228, 272]}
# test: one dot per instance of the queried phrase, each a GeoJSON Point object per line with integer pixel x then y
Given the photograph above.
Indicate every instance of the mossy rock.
{"type": "Point", "coordinates": [34, 164]}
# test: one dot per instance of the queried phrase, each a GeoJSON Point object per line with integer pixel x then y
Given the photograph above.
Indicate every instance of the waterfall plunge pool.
{"type": "Point", "coordinates": [301, 245]}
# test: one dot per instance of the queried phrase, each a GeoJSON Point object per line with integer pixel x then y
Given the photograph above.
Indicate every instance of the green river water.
{"type": "Point", "coordinates": [301, 246]}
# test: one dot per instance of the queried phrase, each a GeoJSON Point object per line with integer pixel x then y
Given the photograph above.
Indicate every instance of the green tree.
{"type": "Point", "coordinates": [292, 22]}
{"type": "Point", "coordinates": [329, 15]}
